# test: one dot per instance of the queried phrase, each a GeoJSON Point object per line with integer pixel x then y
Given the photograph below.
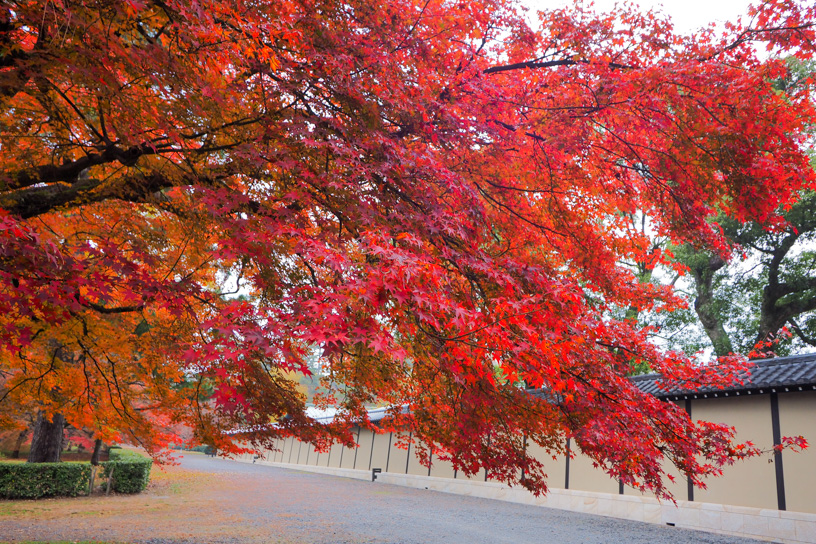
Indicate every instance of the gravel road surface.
{"type": "Point", "coordinates": [231, 502]}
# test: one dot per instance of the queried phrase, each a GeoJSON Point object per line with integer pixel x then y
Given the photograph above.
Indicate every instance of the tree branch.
{"type": "Point", "coordinates": [34, 201]}
{"type": "Point", "coordinates": [534, 64]}
{"type": "Point", "coordinates": [800, 333]}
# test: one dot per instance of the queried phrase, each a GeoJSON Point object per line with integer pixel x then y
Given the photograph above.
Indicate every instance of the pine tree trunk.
{"type": "Point", "coordinates": [46, 444]}
{"type": "Point", "coordinates": [20, 439]}
{"type": "Point", "coordinates": [97, 449]}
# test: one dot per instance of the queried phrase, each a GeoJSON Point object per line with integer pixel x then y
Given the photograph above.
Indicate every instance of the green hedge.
{"type": "Point", "coordinates": [36, 480]}
{"type": "Point", "coordinates": [131, 471]}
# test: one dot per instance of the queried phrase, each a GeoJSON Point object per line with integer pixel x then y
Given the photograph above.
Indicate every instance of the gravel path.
{"type": "Point", "coordinates": [226, 502]}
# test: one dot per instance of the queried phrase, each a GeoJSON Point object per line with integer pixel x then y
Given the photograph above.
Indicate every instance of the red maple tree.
{"type": "Point", "coordinates": [427, 193]}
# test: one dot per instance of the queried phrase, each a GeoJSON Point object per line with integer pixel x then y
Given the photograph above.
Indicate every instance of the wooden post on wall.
{"type": "Point", "coordinates": [388, 457]}
{"type": "Point", "coordinates": [777, 439]}
{"type": "Point", "coordinates": [408, 457]}
{"type": "Point", "coordinates": [688, 479]}
{"type": "Point", "coordinates": [354, 466]}
{"type": "Point", "coordinates": [371, 455]}
{"type": "Point", "coordinates": [566, 472]}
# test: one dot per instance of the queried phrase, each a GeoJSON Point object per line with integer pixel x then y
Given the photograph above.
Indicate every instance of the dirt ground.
{"type": "Point", "coordinates": [216, 501]}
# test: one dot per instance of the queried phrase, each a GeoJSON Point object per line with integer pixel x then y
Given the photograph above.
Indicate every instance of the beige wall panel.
{"type": "Point", "coordinates": [399, 457]}
{"type": "Point", "coordinates": [298, 452]}
{"type": "Point", "coordinates": [441, 469]}
{"type": "Point", "coordinates": [288, 455]}
{"type": "Point", "coordinates": [296, 456]}
{"type": "Point", "coordinates": [323, 459]}
{"type": "Point", "coordinates": [585, 477]}
{"type": "Point", "coordinates": [347, 455]}
{"type": "Point", "coordinates": [276, 454]}
{"type": "Point", "coordinates": [304, 453]}
{"type": "Point", "coordinates": [555, 469]}
{"type": "Point", "coordinates": [678, 488]}
{"type": "Point", "coordinates": [797, 416]}
{"type": "Point", "coordinates": [271, 452]}
{"type": "Point", "coordinates": [294, 449]}
{"type": "Point", "coordinates": [380, 456]}
{"type": "Point", "coordinates": [335, 455]}
{"type": "Point", "coordinates": [283, 455]}
{"type": "Point", "coordinates": [478, 477]}
{"type": "Point", "coordinates": [364, 452]}
{"type": "Point", "coordinates": [459, 475]}
{"type": "Point", "coordinates": [746, 483]}
{"type": "Point", "coordinates": [414, 466]}
{"type": "Point", "coordinates": [317, 458]}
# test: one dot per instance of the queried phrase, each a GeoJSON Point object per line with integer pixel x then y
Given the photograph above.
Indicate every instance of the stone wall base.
{"type": "Point", "coordinates": [771, 525]}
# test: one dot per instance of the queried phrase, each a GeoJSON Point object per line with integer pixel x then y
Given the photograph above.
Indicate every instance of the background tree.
{"type": "Point", "coordinates": [16, 427]}
{"type": "Point", "coordinates": [427, 191]}
{"type": "Point", "coordinates": [767, 283]}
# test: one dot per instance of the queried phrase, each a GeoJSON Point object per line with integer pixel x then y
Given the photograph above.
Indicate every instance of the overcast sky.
{"type": "Point", "coordinates": [688, 15]}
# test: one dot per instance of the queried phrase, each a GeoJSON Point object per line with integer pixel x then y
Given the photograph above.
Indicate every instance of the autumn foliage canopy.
{"type": "Point", "coordinates": [197, 196]}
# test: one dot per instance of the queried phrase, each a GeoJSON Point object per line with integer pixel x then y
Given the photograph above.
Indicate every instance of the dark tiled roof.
{"type": "Point", "coordinates": [794, 373]}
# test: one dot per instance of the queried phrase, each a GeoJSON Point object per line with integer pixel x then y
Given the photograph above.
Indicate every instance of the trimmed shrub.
{"type": "Point", "coordinates": [131, 471]}
{"type": "Point", "coordinates": [37, 480]}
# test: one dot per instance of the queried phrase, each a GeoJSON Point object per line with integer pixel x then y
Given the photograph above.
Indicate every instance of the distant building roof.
{"type": "Point", "coordinates": [374, 414]}
{"type": "Point", "coordinates": [793, 373]}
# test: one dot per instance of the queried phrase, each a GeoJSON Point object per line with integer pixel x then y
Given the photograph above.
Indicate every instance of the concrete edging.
{"type": "Point", "coordinates": [773, 525]}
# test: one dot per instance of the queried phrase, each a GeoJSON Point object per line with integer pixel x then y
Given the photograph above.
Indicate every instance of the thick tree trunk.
{"type": "Point", "coordinates": [19, 444]}
{"type": "Point", "coordinates": [705, 305]}
{"type": "Point", "coordinates": [772, 318]}
{"type": "Point", "coordinates": [46, 444]}
{"type": "Point", "coordinates": [97, 450]}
